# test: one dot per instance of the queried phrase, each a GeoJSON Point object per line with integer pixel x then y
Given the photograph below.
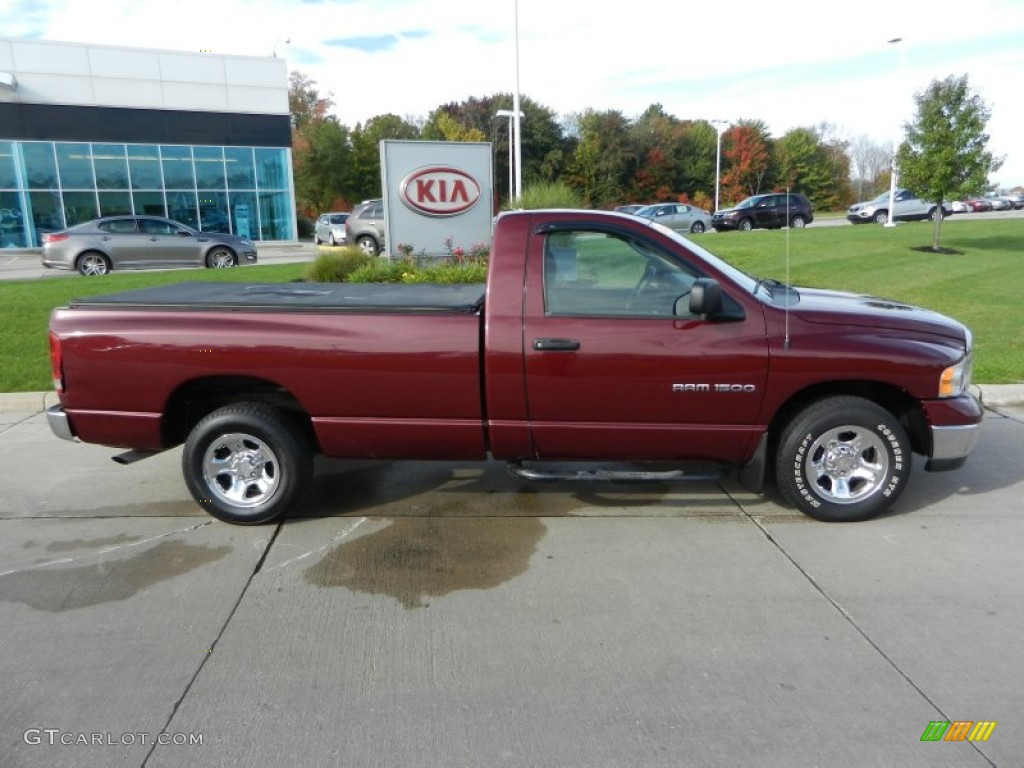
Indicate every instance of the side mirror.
{"type": "Point", "coordinates": [705, 298]}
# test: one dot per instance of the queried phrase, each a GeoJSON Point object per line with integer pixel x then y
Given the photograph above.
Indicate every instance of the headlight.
{"type": "Point", "coordinates": [956, 379]}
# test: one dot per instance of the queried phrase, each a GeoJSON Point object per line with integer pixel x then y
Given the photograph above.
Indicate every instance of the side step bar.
{"type": "Point", "coordinates": [603, 473]}
{"type": "Point", "coordinates": [130, 457]}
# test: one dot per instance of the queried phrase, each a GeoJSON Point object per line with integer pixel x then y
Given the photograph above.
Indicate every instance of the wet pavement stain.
{"type": "Point", "coordinates": [73, 544]}
{"type": "Point", "coordinates": [63, 589]}
{"type": "Point", "coordinates": [417, 558]}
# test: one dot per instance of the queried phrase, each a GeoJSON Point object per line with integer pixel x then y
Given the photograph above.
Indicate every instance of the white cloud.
{"type": "Point", "coordinates": [816, 61]}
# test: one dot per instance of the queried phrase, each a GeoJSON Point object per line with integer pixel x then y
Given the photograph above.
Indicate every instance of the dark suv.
{"type": "Point", "coordinates": [769, 211]}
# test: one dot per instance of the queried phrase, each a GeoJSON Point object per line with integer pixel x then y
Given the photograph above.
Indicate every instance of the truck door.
{"type": "Point", "coordinates": [617, 367]}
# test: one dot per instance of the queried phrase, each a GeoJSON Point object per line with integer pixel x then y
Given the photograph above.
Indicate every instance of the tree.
{"type": "Point", "coordinates": [600, 164]}
{"type": "Point", "coordinates": [870, 162]}
{"type": "Point", "coordinates": [745, 147]}
{"type": "Point", "coordinates": [366, 141]}
{"type": "Point", "coordinates": [945, 150]}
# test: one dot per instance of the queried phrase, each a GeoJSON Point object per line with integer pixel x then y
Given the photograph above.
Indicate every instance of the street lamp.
{"type": "Point", "coordinates": [720, 127]}
{"type": "Point", "coordinates": [516, 114]}
{"type": "Point", "coordinates": [892, 170]}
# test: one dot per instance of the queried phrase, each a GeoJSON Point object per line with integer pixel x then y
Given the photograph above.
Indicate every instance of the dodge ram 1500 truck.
{"type": "Point", "coordinates": [598, 337]}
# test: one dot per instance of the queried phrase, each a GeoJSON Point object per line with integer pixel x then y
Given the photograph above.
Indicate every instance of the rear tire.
{"type": "Point", "coordinates": [331, 240]}
{"type": "Point", "coordinates": [797, 222]}
{"type": "Point", "coordinates": [843, 459]}
{"type": "Point", "coordinates": [93, 263]}
{"type": "Point", "coordinates": [247, 464]}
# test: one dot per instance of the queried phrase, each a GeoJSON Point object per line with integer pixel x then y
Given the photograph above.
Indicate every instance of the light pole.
{"type": "Point", "coordinates": [892, 169]}
{"type": "Point", "coordinates": [720, 127]}
{"type": "Point", "coordinates": [516, 114]}
{"type": "Point", "coordinates": [510, 114]}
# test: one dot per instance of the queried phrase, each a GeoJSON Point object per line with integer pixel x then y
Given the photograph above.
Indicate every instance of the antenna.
{"type": "Point", "coordinates": [789, 226]}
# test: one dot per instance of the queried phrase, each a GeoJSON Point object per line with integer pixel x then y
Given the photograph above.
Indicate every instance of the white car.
{"type": "Point", "coordinates": [330, 228]}
{"type": "Point", "coordinates": [906, 207]}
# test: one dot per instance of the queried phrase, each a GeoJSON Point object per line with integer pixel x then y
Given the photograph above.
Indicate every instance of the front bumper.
{"type": "Point", "coordinates": [955, 425]}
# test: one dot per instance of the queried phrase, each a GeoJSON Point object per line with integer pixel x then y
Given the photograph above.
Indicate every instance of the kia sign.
{"type": "Point", "coordinates": [437, 196]}
{"type": "Point", "coordinates": [439, 191]}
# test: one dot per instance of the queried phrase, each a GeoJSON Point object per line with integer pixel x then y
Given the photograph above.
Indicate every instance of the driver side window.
{"type": "Point", "coordinates": [600, 274]}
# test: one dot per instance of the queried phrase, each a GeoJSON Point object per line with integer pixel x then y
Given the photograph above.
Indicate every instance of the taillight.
{"type": "Point", "coordinates": [54, 237]}
{"type": "Point", "coordinates": [56, 363]}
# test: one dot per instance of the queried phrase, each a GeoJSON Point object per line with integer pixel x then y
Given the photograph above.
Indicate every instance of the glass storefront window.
{"type": "Point", "coordinates": [46, 213]}
{"type": "Point", "coordinates": [243, 214]}
{"type": "Point", "coordinates": [12, 221]}
{"type": "Point", "coordinates": [213, 212]}
{"type": "Point", "coordinates": [181, 206]}
{"type": "Point", "coordinates": [144, 165]}
{"type": "Point", "coordinates": [209, 167]}
{"type": "Point", "coordinates": [115, 203]}
{"type": "Point", "coordinates": [177, 165]}
{"type": "Point", "coordinates": [240, 169]}
{"type": "Point", "coordinates": [74, 162]}
{"type": "Point", "coordinates": [111, 166]}
{"type": "Point", "coordinates": [48, 186]}
{"type": "Point", "coordinates": [271, 169]}
{"type": "Point", "coordinates": [149, 203]}
{"type": "Point", "coordinates": [275, 219]}
{"type": "Point", "coordinates": [8, 170]}
{"type": "Point", "coordinates": [39, 165]}
{"type": "Point", "coordinates": [79, 207]}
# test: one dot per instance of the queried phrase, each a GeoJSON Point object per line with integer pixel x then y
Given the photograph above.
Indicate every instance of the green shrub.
{"type": "Point", "coordinates": [335, 266]}
{"type": "Point", "coordinates": [381, 270]}
{"type": "Point", "coordinates": [550, 195]}
{"type": "Point", "coordinates": [468, 270]}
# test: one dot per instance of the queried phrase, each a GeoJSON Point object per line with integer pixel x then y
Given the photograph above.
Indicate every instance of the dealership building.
{"type": "Point", "coordinates": [88, 131]}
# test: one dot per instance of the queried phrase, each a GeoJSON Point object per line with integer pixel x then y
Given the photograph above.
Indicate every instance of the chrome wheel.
{"type": "Point", "coordinates": [847, 464]}
{"type": "Point", "coordinates": [745, 225]}
{"type": "Point", "coordinates": [798, 222]}
{"type": "Point", "coordinates": [697, 228]}
{"type": "Point", "coordinates": [241, 470]}
{"type": "Point", "coordinates": [90, 264]}
{"type": "Point", "coordinates": [367, 245]}
{"type": "Point", "coordinates": [220, 258]}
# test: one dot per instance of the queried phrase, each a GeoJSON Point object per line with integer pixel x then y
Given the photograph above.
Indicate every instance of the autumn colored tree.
{"type": "Point", "coordinates": [746, 159]}
{"type": "Point", "coordinates": [600, 164]}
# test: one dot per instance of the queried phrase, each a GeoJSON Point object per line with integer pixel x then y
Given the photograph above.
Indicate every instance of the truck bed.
{"type": "Point", "coordinates": [302, 297]}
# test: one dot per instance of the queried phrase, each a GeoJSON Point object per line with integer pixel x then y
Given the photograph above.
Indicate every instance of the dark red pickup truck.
{"type": "Point", "coordinates": [598, 338]}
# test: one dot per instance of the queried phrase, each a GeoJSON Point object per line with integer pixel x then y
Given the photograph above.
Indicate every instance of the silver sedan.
{"type": "Point", "coordinates": [678, 216]}
{"type": "Point", "coordinates": [138, 242]}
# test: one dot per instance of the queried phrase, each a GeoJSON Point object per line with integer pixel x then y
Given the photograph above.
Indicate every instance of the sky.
{"type": "Point", "coordinates": [794, 64]}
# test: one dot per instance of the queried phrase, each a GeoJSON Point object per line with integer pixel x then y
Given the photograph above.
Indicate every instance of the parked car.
{"type": "Point", "coordinates": [1017, 200]}
{"type": "Point", "coordinates": [906, 207]}
{"type": "Point", "coordinates": [330, 228]}
{"type": "Point", "coordinates": [631, 208]}
{"type": "Point", "coordinates": [1000, 203]}
{"type": "Point", "coordinates": [365, 226]}
{"type": "Point", "coordinates": [960, 206]}
{"type": "Point", "coordinates": [677, 216]}
{"type": "Point", "coordinates": [979, 204]}
{"type": "Point", "coordinates": [778, 209]}
{"type": "Point", "coordinates": [136, 242]}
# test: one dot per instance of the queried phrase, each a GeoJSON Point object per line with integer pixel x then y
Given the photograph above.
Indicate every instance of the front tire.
{"type": "Point", "coordinates": [843, 459]}
{"type": "Point", "coordinates": [881, 217]}
{"type": "Point", "coordinates": [247, 464]}
{"type": "Point", "coordinates": [745, 225]}
{"type": "Point", "coordinates": [220, 258]}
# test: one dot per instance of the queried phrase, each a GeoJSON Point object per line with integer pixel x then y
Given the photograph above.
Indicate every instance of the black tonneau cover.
{"type": "Point", "coordinates": [302, 297]}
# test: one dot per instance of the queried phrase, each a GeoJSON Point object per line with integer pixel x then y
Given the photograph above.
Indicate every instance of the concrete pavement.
{"type": "Point", "coordinates": [445, 614]}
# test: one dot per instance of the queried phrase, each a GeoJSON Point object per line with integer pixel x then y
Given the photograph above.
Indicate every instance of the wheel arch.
{"type": "Point", "coordinates": [195, 399]}
{"type": "Point", "coordinates": [892, 398]}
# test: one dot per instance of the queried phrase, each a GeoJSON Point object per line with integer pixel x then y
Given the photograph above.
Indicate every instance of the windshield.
{"type": "Point", "coordinates": [647, 210]}
{"type": "Point", "coordinates": [750, 202]}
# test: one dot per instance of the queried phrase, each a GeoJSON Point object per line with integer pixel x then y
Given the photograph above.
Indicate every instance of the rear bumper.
{"type": "Point", "coordinates": [59, 423]}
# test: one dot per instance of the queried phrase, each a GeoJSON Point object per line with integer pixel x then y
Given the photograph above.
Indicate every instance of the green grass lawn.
{"type": "Point", "coordinates": [983, 287]}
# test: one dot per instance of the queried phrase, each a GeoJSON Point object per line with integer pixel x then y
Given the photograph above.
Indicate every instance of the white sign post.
{"type": "Point", "coordinates": [437, 196]}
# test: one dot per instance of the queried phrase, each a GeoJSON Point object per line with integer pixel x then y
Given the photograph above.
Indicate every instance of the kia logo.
{"type": "Point", "coordinates": [439, 190]}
